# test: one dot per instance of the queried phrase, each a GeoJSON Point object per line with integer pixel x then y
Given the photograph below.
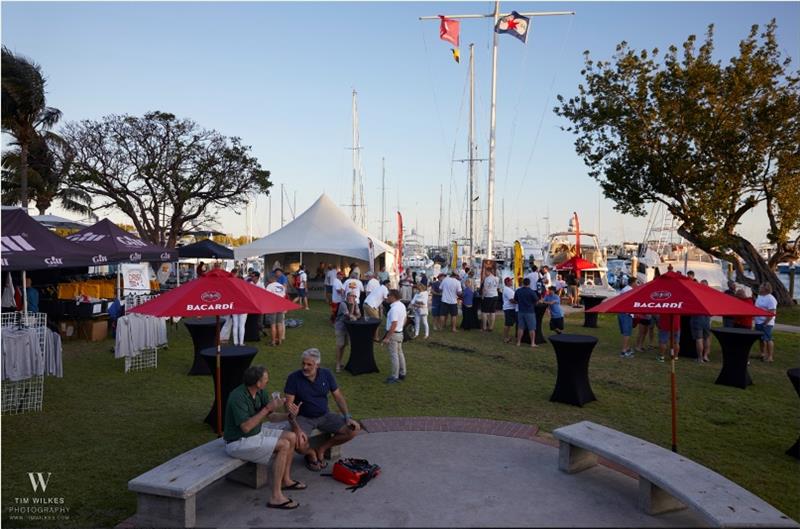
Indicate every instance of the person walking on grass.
{"type": "Point", "coordinates": [701, 333]}
{"type": "Point", "coordinates": [553, 302]}
{"type": "Point", "coordinates": [509, 310]}
{"type": "Point", "coordinates": [647, 325]}
{"type": "Point", "coordinates": [276, 320]}
{"type": "Point", "coordinates": [526, 299]}
{"type": "Point", "coordinates": [302, 287]}
{"type": "Point", "coordinates": [420, 303]}
{"type": "Point", "coordinates": [668, 324]}
{"type": "Point", "coordinates": [395, 320]}
{"type": "Point", "coordinates": [625, 321]}
{"type": "Point", "coordinates": [436, 301]}
{"type": "Point", "coordinates": [764, 324]}
{"type": "Point", "coordinates": [489, 300]}
{"type": "Point", "coordinates": [451, 290]}
{"type": "Point", "coordinates": [247, 438]}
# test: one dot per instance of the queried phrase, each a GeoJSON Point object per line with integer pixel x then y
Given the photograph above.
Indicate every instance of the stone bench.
{"type": "Point", "coordinates": [166, 494]}
{"type": "Point", "coordinates": [667, 481]}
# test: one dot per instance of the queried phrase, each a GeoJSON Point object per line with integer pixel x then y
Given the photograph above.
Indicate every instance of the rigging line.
{"type": "Point", "coordinates": [547, 103]}
{"type": "Point", "coordinates": [432, 85]}
{"type": "Point", "coordinates": [523, 76]}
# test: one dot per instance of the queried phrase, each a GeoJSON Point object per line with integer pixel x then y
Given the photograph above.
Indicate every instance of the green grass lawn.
{"type": "Point", "coordinates": [101, 427]}
{"type": "Point", "coordinates": [789, 315]}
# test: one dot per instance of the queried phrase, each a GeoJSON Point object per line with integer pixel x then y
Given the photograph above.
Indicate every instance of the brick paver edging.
{"type": "Point", "coordinates": [470, 425]}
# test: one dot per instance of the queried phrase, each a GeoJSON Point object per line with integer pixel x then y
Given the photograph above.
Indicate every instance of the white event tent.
{"type": "Point", "coordinates": [321, 234]}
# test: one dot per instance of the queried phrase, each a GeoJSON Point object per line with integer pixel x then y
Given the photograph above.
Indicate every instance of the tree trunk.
{"type": "Point", "coordinates": [23, 175]}
{"type": "Point", "coordinates": [761, 271]}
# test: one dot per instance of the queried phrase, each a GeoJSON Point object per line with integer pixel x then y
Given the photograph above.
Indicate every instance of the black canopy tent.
{"type": "Point", "coordinates": [206, 248]}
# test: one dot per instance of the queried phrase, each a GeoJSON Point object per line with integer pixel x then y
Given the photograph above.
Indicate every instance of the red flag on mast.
{"type": "Point", "coordinates": [399, 255]}
{"type": "Point", "coordinates": [448, 31]}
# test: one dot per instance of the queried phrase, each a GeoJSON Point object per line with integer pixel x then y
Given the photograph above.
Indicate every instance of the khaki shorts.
{"type": "Point", "coordinates": [257, 448]}
{"type": "Point", "coordinates": [275, 319]}
{"type": "Point", "coordinates": [371, 312]}
{"type": "Point", "coordinates": [342, 338]}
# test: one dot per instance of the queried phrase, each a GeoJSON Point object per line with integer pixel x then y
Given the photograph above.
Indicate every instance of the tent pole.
{"type": "Point", "coordinates": [673, 387]}
{"type": "Point", "coordinates": [119, 281]}
{"type": "Point", "coordinates": [24, 294]}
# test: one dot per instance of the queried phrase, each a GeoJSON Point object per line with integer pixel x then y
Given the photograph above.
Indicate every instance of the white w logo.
{"type": "Point", "coordinates": [41, 482]}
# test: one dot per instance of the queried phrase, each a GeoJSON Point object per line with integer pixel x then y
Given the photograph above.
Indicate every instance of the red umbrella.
{"type": "Point", "coordinates": [217, 293]}
{"type": "Point", "coordinates": [674, 294]}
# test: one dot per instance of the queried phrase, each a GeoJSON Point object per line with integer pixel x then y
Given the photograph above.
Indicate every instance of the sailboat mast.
{"type": "Point", "coordinates": [472, 152]}
{"type": "Point", "coordinates": [492, 139]}
{"type": "Point", "coordinates": [355, 160]}
{"type": "Point", "coordinates": [383, 198]}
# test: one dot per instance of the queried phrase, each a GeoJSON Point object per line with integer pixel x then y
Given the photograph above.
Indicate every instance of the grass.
{"type": "Point", "coordinates": [789, 315]}
{"type": "Point", "coordinates": [101, 427]}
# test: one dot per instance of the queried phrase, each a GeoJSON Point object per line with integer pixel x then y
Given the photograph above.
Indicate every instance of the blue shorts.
{"type": "Point", "coordinates": [301, 292]}
{"type": "Point", "coordinates": [663, 337]}
{"type": "Point", "coordinates": [766, 330]}
{"type": "Point", "coordinates": [329, 289]}
{"type": "Point", "coordinates": [436, 307]}
{"type": "Point", "coordinates": [625, 324]}
{"type": "Point", "coordinates": [526, 319]}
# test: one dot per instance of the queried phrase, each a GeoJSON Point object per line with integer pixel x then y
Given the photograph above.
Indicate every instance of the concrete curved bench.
{"type": "Point", "coordinates": [667, 481]}
{"type": "Point", "coordinates": [166, 494]}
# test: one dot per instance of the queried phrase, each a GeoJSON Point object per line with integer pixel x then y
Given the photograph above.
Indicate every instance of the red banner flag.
{"type": "Point", "coordinates": [448, 30]}
{"type": "Point", "coordinates": [399, 255]}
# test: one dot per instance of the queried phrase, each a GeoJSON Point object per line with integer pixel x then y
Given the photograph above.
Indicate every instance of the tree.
{"type": "Point", "coordinates": [49, 163]}
{"type": "Point", "coordinates": [166, 174]}
{"type": "Point", "coordinates": [24, 112]}
{"type": "Point", "coordinates": [709, 142]}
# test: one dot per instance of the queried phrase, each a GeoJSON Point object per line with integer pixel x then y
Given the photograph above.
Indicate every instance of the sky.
{"type": "Point", "coordinates": [280, 75]}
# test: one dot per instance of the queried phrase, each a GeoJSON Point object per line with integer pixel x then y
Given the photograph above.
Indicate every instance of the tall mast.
{"type": "Point", "coordinates": [492, 127]}
{"type": "Point", "coordinates": [441, 214]}
{"type": "Point", "coordinates": [472, 152]}
{"type": "Point", "coordinates": [282, 193]}
{"type": "Point", "coordinates": [383, 199]}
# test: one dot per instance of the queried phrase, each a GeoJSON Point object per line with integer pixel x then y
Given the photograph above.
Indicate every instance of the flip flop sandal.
{"type": "Point", "coordinates": [287, 505]}
{"type": "Point", "coordinates": [297, 485]}
{"type": "Point", "coordinates": [314, 466]}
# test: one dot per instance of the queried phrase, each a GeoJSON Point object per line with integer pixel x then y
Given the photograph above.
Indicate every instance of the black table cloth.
{"type": "Point", "coordinates": [688, 348]}
{"type": "Point", "coordinates": [590, 318]}
{"type": "Point", "coordinates": [794, 376]}
{"type": "Point", "coordinates": [362, 357]}
{"type": "Point", "coordinates": [539, 310]}
{"type": "Point", "coordinates": [572, 382]}
{"type": "Point", "coordinates": [252, 328]}
{"type": "Point", "coordinates": [234, 359]}
{"type": "Point", "coordinates": [204, 335]}
{"type": "Point", "coordinates": [736, 344]}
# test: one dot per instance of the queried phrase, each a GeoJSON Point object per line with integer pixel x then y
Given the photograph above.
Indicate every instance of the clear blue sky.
{"type": "Point", "coordinates": [280, 75]}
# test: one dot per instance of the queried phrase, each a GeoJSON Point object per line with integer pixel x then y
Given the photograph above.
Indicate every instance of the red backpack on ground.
{"type": "Point", "coordinates": [355, 472]}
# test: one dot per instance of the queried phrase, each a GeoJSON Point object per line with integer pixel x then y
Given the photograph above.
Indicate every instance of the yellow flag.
{"type": "Point", "coordinates": [456, 55]}
{"type": "Point", "coordinates": [517, 263]}
{"type": "Point", "coordinates": [454, 261]}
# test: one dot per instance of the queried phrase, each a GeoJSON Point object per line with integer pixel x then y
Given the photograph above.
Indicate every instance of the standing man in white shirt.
{"type": "Point", "coordinates": [395, 320]}
{"type": "Point", "coordinates": [358, 285]}
{"type": "Point", "coordinates": [276, 320]}
{"type": "Point", "coordinates": [489, 301]}
{"type": "Point", "coordinates": [766, 301]}
{"type": "Point", "coordinates": [451, 289]}
{"type": "Point", "coordinates": [509, 309]}
{"type": "Point", "coordinates": [372, 283]}
{"type": "Point", "coordinates": [302, 287]}
{"type": "Point", "coordinates": [337, 294]}
{"type": "Point", "coordinates": [330, 275]}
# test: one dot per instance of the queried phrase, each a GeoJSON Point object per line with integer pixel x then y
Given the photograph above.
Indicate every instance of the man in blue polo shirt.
{"type": "Point", "coordinates": [308, 388]}
{"type": "Point", "coordinates": [526, 299]}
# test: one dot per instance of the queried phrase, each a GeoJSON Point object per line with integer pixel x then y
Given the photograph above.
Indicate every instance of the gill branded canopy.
{"type": "Point", "coordinates": [112, 244]}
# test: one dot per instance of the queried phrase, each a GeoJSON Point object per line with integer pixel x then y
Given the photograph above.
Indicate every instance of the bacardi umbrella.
{"type": "Point", "coordinates": [217, 293]}
{"type": "Point", "coordinates": [673, 295]}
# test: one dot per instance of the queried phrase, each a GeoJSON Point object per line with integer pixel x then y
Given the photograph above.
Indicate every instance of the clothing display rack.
{"type": "Point", "coordinates": [20, 396]}
{"type": "Point", "coordinates": [146, 358]}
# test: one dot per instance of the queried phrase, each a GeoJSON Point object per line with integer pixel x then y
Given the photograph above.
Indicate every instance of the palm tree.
{"type": "Point", "coordinates": [49, 163]}
{"type": "Point", "coordinates": [24, 112]}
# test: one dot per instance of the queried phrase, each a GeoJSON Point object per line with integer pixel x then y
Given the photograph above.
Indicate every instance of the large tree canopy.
{"type": "Point", "coordinates": [709, 141]}
{"type": "Point", "coordinates": [165, 173]}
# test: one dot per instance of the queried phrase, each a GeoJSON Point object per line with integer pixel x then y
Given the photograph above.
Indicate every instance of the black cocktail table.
{"type": "Point", "coordinates": [539, 309]}
{"type": "Point", "coordinates": [794, 376]}
{"type": "Point", "coordinates": [234, 359]}
{"type": "Point", "coordinates": [252, 328]}
{"type": "Point", "coordinates": [204, 334]}
{"type": "Point", "coordinates": [362, 357]}
{"type": "Point", "coordinates": [687, 347]}
{"type": "Point", "coordinates": [572, 382]}
{"type": "Point", "coordinates": [590, 318]}
{"type": "Point", "coordinates": [736, 344]}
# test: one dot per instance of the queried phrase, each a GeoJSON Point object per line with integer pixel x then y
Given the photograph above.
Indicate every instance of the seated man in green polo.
{"type": "Point", "coordinates": [245, 438]}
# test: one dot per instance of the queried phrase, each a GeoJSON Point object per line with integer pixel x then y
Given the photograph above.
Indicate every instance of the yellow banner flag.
{"type": "Point", "coordinates": [454, 261]}
{"type": "Point", "coordinates": [517, 263]}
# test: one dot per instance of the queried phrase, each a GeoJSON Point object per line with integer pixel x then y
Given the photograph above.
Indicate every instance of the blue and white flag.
{"type": "Point", "coordinates": [514, 24]}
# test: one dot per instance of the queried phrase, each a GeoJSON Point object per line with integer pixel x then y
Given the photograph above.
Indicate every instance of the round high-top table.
{"type": "Point", "coordinates": [234, 359]}
{"type": "Point", "coordinates": [539, 310]}
{"type": "Point", "coordinates": [590, 318]}
{"type": "Point", "coordinates": [794, 376]}
{"type": "Point", "coordinates": [252, 328]}
{"type": "Point", "coordinates": [688, 348]}
{"type": "Point", "coordinates": [204, 334]}
{"type": "Point", "coordinates": [572, 382]}
{"type": "Point", "coordinates": [736, 344]}
{"type": "Point", "coordinates": [362, 357]}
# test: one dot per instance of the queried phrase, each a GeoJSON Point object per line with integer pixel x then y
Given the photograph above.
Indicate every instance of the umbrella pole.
{"type": "Point", "coordinates": [673, 387]}
{"type": "Point", "coordinates": [219, 383]}
{"type": "Point", "coordinates": [25, 295]}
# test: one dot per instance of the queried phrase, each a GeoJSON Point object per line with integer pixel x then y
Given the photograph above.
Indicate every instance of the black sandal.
{"type": "Point", "coordinates": [287, 505]}
{"type": "Point", "coordinates": [297, 485]}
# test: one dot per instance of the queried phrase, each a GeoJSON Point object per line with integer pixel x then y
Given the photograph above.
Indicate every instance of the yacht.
{"type": "Point", "coordinates": [561, 246]}
{"type": "Point", "coordinates": [415, 254]}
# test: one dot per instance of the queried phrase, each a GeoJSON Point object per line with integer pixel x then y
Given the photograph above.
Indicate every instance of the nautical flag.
{"type": "Point", "coordinates": [513, 24]}
{"type": "Point", "coordinates": [448, 30]}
